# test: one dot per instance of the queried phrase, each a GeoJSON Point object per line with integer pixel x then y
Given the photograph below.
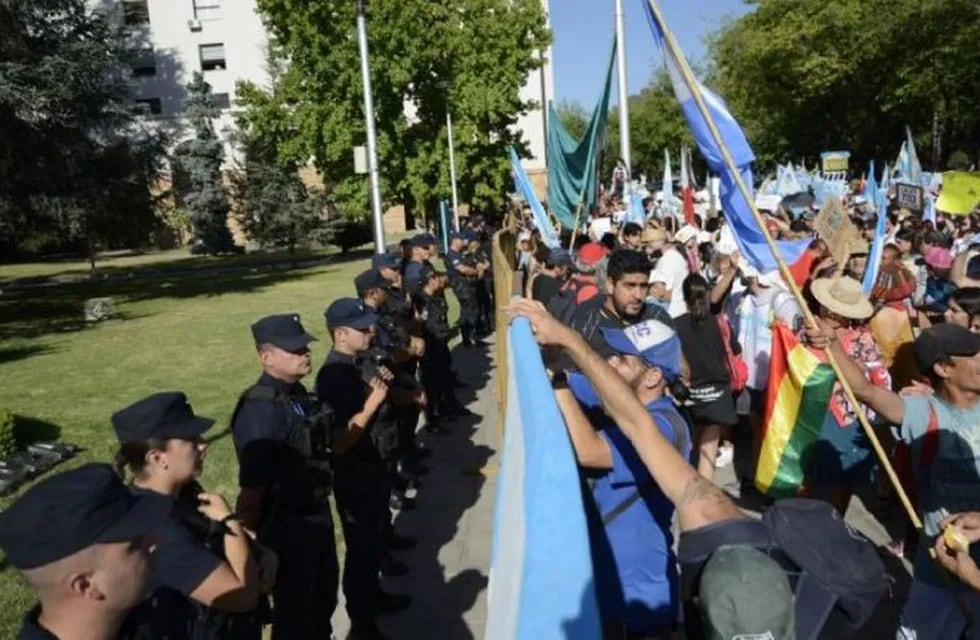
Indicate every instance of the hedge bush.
{"type": "Point", "coordinates": [8, 445]}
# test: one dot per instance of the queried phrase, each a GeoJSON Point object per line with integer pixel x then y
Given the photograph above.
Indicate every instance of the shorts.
{"type": "Point", "coordinates": [751, 401]}
{"type": "Point", "coordinates": [712, 404]}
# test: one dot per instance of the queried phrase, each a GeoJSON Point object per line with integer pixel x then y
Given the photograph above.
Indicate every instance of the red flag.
{"type": "Point", "coordinates": [689, 206]}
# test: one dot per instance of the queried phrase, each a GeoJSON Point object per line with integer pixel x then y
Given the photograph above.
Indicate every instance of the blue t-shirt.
{"type": "Point", "coordinates": [951, 483]}
{"type": "Point", "coordinates": [635, 566]}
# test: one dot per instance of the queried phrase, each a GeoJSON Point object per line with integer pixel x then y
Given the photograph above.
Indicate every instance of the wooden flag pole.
{"type": "Point", "coordinates": [783, 268]}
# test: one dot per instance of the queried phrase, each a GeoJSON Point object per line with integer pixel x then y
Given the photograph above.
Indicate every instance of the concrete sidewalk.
{"type": "Point", "coordinates": [452, 521]}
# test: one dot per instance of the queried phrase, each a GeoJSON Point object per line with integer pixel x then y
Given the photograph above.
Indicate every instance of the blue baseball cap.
{"type": "Point", "coordinates": [457, 235]}
{"type": "Point", "coordinates": [350, 312]}
{"type": "Point", "coordinates": [470, 235]}
{"type": "Point", "coordinates": [385, 261]}
{"type": "Point", "coordinates": [424, 240]}
{"type": "Point", "coordinates": [651, 340]}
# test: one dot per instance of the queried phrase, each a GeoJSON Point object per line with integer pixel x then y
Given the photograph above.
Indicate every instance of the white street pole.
{"type": "Point", "coordinates": [452, 166]}
{"type": "Point", "coordinates": [372, 139]}
{"type": "Point", "coordinates": [624, 110]}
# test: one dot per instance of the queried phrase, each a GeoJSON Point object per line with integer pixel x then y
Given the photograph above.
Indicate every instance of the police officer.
{"type": "Point", "coordinates": [462, 269]}
{"type": "Point", "coordinates": [484, 283]}
{"type": "Point", "coordinates": [420, 262]}
{"type": "Point", "coordinates": [358, 395]}
{"type": "Point", "coordinates": [283, 483]}
{"type": "Point", "coordinates": [206, 575]}
{"type": "Point", "coordinates": [82, 542]}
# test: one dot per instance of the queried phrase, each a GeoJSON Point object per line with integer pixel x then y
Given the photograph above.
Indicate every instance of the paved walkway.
{"type": "Point", "coordinates": [452, 520]}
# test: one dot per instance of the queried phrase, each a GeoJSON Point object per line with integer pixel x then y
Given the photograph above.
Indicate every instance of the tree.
{"type": "Point", "coordinates": [75, 164]}
{"type": "Point", "coordinates": [471, 56]}
{"type": "Point", "coordinates": [804, 76]}
{"type": "Point", "coordinates": [200, 159]}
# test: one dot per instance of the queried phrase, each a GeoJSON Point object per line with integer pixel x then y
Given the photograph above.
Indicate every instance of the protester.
{"type": "Point", "coordinates": [964, 308]}
{"type": "Point", "coordinates": [551, 277]}
{"type": "Point", "coordinates": [711, 406]}
{"type": "Point", "coordinates": [82, 541]}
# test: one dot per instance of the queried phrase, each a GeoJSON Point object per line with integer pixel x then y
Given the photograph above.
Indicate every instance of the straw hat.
{"type": "Point", "coordinates": [686, 233]}
{"type": "Point", "coordinates": [651, 235]}
{"type": "Point", "coordinates": [842, 296]}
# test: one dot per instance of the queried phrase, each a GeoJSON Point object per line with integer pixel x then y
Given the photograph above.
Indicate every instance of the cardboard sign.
{"type": "Point", "coordinates": [908, 196]}
{"type": "Point", "coordinates": [834, 161]}
{"type": "Point", "coordinates": [836, 229]}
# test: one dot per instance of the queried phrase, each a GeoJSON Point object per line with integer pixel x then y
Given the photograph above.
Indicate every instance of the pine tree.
{"type": "Point", "coordinates": [200, 160]}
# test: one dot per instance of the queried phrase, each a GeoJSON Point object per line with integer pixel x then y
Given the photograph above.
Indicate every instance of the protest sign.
{"type": "Point", "coordinates": [908, 196]}
{"type": "Point", "coordinates": [834, 161]}
{"type": "Point", "coordinates": [960, 193]}
{"type": "Point", "coordinates": [836, 229]}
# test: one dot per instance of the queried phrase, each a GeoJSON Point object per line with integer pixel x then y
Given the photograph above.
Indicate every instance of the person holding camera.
{"type": "Point", "coordinates": [358, 393]}
{"type": "Point", "coordinates": [205, 579]}
{"type": "Point", "coordinates": [83, 544]}
{"type": "Point", "coordinates": [280, 438]}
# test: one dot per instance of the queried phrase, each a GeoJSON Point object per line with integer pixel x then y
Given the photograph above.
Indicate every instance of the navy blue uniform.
{"type": "Point", "coordinates": [464, 286]}
{"type": "Point", "coordinates": [272, 447]}
{"type": "Point", "coordinates": [30, 629]}
{"type": "Point", "coordinates": [360, 487]}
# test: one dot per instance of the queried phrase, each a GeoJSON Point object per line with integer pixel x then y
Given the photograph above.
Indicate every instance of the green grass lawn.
{"type": "Point", "coordinates": [63, 378]}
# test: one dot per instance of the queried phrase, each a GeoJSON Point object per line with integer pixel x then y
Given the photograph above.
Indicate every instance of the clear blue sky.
{"type": "Point", "coordinates": [583, 33]}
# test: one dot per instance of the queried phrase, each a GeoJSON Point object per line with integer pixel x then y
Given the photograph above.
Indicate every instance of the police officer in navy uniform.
{"type": "Point", "coordinates": [282, 480]}
{"type": "Point", "coordinates": [461, 267]}
{"type": "Point", "coordinates": [82, 542]}
{"type": "Point", "coordinates": [423, 247]}
{"type": "Point", "coordinates": [358, 394]}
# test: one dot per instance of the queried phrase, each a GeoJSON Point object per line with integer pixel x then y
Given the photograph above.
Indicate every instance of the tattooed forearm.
{"type": "Point", "coordinates": [700, 490]}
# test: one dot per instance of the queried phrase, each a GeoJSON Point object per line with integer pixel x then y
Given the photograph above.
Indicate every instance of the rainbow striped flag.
{"type": "Point", "coordinates": [797, 402]}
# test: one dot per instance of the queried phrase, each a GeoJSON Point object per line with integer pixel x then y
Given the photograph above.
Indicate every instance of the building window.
{"type": "Point", "coordinates": [206, 10]}
{"type": "Point", "coordinates": [221, 100]}
{"type": "Point", "coordinates": [148, 107]}
{"type": "Point", "coordinates": [144, 64]}
{"type": "Point", "coordinates": [136, 13]}
{"type": "Point", "coordinates": [212, 57]}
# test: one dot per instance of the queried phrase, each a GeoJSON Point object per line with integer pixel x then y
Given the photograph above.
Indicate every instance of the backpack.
{"type": "Point", "coordinates": [573, 293]}
{"type": "Point", "coordinates": [837, 576]}
{"type": "Point", "coordinates": [738, 371]}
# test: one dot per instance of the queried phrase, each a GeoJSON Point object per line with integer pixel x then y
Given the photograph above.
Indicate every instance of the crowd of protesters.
{"type": "Point", "coordinates": [659, 338]}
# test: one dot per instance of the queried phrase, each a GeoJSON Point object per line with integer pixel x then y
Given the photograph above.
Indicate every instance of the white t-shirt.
{"type": "Point", "coordinates": [674, 267]}
{"type": "Point", "coordinates": [755, 314]}
{"type": "Point", "coordinates": [599, 228]}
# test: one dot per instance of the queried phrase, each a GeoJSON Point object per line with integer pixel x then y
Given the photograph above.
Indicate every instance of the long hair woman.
{"type": "Point", "coordinates": [964, 308]}
{"type": "Point", "coordinates": [205, 577]}
{"type": "Point", "coordinates": [710, 403]}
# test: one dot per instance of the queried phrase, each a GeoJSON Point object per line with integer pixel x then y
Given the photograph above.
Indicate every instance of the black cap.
{"type": "Point", "coordinates": [942, 341]}
{"type": "Point", "coordinates": [162, 416]}
{"type": "Point", "coordinates": [350, 312]}
{"type": "Point", "coordinates": [424, 240]}
{"type": "Point", "coordinates": [368, 280]}
{"type": "Point", "coordinates": [74, 510]}
{"type": "Point", "coordinates": [385, 261]}
{"type": "Point", "coordinates": [284, 331]}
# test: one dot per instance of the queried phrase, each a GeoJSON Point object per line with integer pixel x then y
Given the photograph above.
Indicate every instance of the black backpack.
{"type": "Point", "coordinates": [837, 576]}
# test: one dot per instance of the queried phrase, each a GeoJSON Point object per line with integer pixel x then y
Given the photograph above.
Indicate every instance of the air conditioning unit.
{"type": "Point", "coordinates": [194, 24]}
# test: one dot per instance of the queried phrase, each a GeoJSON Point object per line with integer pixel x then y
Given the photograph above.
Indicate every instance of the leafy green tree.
{"type": "Point", "coordinates": [200, 159]}
{"type": "Point", "coordinates": [75, 165]}
{"type": "Point", "coordinates": [470, 56]}
{"type": "Point", "coordinates": [574, 116]}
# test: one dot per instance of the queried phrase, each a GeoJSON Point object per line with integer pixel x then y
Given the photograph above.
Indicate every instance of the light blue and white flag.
{"type": "Point", "coordinates": [738, 211]}
{"type": "Point", "coordinates": [929, 214]}
{"type": "Point", "coordinates": [873, 195]}
{"type": "Point", "coordinates": [538, 215]}
{"type": "Point", "coordinates": [667, 185]}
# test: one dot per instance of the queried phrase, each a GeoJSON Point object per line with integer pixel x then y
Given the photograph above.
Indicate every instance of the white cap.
{"type": "Point", "coordinates": [523, 235]}
{"type": "Point", "coordinates": [726, 242]}
{"type": "Point", "coordinates": [704, 236]}
{"type": "Point", "coordinates": [658, 276]}
{"type": "Point", "coordinates": [685, 233]}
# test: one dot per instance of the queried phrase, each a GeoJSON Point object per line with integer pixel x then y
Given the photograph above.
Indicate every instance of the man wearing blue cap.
{"type": "Point", "coordinates": [82, 542]}
{"type": "Point", "coordinates": [635, 567]}
{"type": "Point", "coordinates": [283, 489]}
{"type": "Point", "coordinates": [423, 249]}
{"type": "Point", "coordinates": [360, 483]}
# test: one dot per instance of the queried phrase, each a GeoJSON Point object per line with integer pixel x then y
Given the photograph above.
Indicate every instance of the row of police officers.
{"type": "Point", "coordinates": [92, 546]}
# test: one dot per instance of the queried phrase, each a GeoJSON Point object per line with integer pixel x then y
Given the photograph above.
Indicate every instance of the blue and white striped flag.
{"type": "Point", "coordinates": [540, 218]}
{"type": "Point", "coordinates": [872, 194]}
{"type": "Point", "coordinates": [738, 212]}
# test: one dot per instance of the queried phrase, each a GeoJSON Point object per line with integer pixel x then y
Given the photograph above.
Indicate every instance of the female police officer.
{"type": "Point", "coordinates": [205, 579]}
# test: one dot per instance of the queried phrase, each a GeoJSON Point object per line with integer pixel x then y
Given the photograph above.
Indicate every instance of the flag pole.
{"type": "Point", "coordinates": [784, 271]}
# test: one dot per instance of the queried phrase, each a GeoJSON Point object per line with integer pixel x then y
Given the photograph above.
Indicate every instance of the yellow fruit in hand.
{"type": "Point", "coordinates": [955, 539]}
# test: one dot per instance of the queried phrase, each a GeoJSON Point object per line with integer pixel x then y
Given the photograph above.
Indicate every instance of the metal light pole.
{"type": "Point", "coordinates": [624, 110]}
{"type": "Point", "coordinates": [372, 139]}
{"type": "Point", "coordinates": [452, 166]}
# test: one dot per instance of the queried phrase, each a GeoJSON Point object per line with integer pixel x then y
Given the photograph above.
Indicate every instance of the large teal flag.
{"type": "Point", "coordinates": [573, 171]}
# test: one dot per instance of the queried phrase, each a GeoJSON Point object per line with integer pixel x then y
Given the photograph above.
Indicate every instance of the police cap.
{"type": "Point", "coordinates": [386, 261]}
{"type": "Point", "coordinates": [424, 240]}
{"type": "Point", "coordinates": [283, 331]}
{"type": "Point", "coordinates": [74, 510]}
{"type": "Point", "coordinates": [350, 312]}
{"type": "Point", "coordinates": [160, 416]}
{"type": "Point", "coordinates": [368, 280]}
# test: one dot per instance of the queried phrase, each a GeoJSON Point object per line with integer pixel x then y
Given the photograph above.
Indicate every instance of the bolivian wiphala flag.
{"type": "Point", "coordinates": [797, 402]}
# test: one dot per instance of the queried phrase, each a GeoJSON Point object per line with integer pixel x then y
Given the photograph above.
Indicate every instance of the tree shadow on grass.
{"type": "Point", "coordinates": [59, 309]}
{"type": "Point", "coordinates": [12, 354]}
{"type": "Point", "coordinates": [29, 430]}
